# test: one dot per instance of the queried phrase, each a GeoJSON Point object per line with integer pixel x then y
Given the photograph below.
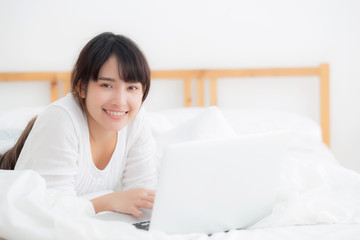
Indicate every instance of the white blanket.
{"type": "Point", "coordinates": [312, 192]}
{"type": "Point", "coordinates": [29, 211]}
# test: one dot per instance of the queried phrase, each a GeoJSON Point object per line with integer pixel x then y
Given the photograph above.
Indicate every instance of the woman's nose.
{"type": "Point", "coordinates": [120, 97]}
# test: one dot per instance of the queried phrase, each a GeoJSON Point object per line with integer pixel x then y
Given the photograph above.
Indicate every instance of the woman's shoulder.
{"type": "Point", "coordinates": [64, 111]}
{"type": "Point", "coordinates": [66, 106]}
{"type": "Point", "coordinates": [68, 103]}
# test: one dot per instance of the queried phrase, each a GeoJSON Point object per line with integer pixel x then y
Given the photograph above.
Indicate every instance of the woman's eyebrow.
{"type": "Point", "coordinates": [106, 79]}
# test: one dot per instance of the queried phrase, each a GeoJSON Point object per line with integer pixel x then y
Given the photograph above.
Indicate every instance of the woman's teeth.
{"type": "Point", "coordinates": [118, 114]}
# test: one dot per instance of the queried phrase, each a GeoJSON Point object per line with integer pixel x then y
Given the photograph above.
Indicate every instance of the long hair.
{"type": "Point", "coordinates": [9, 158]}
{"type": "Point", "coordinates": [133, 67]}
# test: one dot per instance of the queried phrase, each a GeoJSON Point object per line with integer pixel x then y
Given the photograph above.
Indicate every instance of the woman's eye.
{"type": "Point", "coordinates": [133, 88]}
{"type": "Point", "coordinates": [105, 85]}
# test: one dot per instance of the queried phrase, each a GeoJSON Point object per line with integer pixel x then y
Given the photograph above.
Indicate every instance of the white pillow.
{"type": "Point", "coordinates": [159, 123]}
{"type": "Point", "coordinates": [177, 116]}
{"type": "Point", "coordinates": [8, 138]}
{"type": "Point", "coordinates": [18, 118]}
{"type": "Point", "coordinates": [248, 121]}
{"type": "Point", "coordinates": [209, 124]}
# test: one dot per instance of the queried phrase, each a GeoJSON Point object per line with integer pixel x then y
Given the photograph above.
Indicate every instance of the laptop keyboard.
{"type": "Point", "coordinates": [142, 225]}
{"type": "Point", "coordinates": [146, 224]}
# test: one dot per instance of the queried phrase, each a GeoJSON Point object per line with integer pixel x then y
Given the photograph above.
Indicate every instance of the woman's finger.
{"type": "Point", "coordinates": [135, 212]}
{"type": "Point", "coordinates": [145, 205]}
{"type": "Point", "coordinates": [151, 192]}
{"type": "Point", "coordinates": [149, 198]}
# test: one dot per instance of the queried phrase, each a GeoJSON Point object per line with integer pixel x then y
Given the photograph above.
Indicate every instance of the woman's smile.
{"type": "Point", "coordinates": [116, 114]}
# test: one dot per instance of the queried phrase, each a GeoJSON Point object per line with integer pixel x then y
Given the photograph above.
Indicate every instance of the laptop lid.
{"type": "Point", "coordinates": [218, 185]}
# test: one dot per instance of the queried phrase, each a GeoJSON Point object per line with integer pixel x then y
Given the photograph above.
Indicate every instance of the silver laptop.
{"type": "Point", "coordinates": [217, 185]}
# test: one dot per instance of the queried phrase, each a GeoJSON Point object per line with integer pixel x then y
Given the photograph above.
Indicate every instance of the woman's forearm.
{"type": "Point", "coordinates": [129, 201]}
{"type": "Point", "coordinates": [102, 203]}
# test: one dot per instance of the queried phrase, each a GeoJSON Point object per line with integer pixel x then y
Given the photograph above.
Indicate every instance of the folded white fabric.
{"type": "Point", "coordinates": [315, 189]}
{"type": "Point", "coordinates": [29, 211]}
{"type": "Point", "coordinates": [159, 123]}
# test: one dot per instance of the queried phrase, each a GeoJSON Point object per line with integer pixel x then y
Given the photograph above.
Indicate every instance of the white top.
{"type": "Point", "coordinates": [58, 148]}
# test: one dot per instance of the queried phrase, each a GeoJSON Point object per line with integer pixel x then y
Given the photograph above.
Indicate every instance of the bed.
{"type": "Point", "coordinates": [317, 197]}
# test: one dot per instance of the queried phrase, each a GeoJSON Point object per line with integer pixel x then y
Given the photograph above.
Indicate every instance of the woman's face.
{"type": "Point", "coordinates": [111, 103]}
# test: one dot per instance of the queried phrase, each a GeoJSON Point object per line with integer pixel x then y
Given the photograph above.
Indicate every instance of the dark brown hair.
{"type": "Point", "coordinates": [133, 67]}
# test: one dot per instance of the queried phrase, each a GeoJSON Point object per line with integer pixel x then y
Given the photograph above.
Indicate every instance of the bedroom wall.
{"type": "Point", "coordinates": [41, 35]}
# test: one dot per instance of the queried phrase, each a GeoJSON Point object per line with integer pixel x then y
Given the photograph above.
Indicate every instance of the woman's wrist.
{"type": "Point", "coordinates": [102, 203]}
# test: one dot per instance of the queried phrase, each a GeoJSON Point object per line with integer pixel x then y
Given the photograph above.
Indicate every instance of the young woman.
{"type": "Point", "coordinates": [95, 142]}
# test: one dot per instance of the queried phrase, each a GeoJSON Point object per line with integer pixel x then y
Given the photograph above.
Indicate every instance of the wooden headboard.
{"type": "Point", "coordinates": [56, 80]}
{"type": "Point", "coordinates": [61, 80]}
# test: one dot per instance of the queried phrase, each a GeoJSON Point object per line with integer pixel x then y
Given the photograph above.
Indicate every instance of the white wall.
{"type": "Point", "coordinates": [41, 35]}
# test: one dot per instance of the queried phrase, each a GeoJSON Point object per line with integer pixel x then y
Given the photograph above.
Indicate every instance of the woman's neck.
{"type": "Point", "coordinates": [99, 135]}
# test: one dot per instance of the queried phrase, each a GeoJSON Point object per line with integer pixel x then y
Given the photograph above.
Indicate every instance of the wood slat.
{"type": "Point", "coordinates": [263, 72]}
{"type": "Point", "coordinates": [187, 92]}
{"type": "Point", "coordinates": [175, 74]}
{"type": "Point", "coordinates": [54, 91]}
{"type": "Point", "coordinates": [200, 89]}
{"type": "Point", "coordinates": [213, 91]}
{"type": "Point", "coordinates": [325, 102]}
{"type": "Point", "coordinates": [27, 76]}
{"type": "Point", "coordinates": [64, 78]}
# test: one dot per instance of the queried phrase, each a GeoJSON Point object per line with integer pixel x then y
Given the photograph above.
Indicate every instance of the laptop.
{"type": "Point", "coordinates": [216, 185]}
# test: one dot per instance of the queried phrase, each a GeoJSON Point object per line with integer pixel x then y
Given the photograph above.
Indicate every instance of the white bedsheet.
{"type": "Point", "coordinates": [29, 211]}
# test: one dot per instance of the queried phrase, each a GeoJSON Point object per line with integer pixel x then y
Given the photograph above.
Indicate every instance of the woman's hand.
{"type": "Point", "coordinates": [128, 201]}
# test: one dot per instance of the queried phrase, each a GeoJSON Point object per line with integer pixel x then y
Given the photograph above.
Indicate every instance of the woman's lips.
{"type": "Point", "coordinates": [116, 114]}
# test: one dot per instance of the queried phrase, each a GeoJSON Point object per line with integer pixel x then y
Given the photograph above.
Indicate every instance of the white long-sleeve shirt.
{"type": "Point", "coordinates": [58, 148]}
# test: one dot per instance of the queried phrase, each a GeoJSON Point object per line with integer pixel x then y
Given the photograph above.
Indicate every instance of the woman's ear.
{"type": "Point", "coordinates": [81, 89]}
